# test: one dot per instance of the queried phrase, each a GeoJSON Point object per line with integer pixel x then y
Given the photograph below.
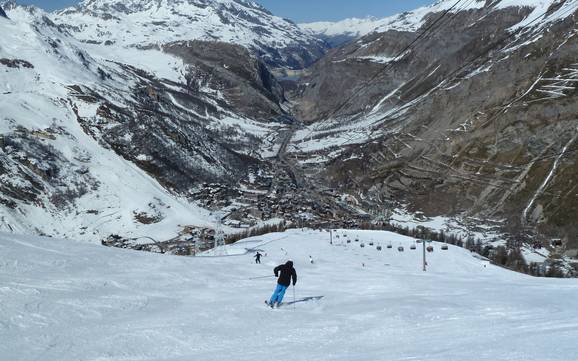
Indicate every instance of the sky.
{"type": "Point", "coordinates": [302, 10]}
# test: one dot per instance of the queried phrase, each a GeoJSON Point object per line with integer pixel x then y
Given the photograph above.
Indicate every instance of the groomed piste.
{"type": "Point", "coordinates": [69, 301]}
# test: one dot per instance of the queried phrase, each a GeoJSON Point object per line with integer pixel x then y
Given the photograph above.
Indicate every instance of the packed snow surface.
{"type": "Point", "coordinates": [65, 300]}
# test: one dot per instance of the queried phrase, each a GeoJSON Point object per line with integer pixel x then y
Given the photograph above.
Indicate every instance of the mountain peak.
{"type": "Point", "coordinates": [144, 23]}
{"type": "Point", "coordinates": [132, 6]}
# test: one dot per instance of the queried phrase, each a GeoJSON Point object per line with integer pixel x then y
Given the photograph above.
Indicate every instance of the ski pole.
{"type": "Point", "coordinates": [258, 278]}
{"type": "Point", "coordinates": [293, 297]}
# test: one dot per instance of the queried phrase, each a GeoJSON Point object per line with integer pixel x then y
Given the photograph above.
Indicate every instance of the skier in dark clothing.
{"type": "Point", "coordinates": [286, 273]}
{"type": "Point", "coordinates": [258, 258]}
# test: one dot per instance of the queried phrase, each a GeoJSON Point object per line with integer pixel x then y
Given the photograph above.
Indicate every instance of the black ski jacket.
{"type": "Point", "coordinates": [286, 272]}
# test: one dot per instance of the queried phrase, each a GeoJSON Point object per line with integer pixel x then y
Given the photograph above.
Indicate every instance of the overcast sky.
{"type": "Point", "coordinates": [302, 10]}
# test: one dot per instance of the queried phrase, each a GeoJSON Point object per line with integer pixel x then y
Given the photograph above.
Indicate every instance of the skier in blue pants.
{"type": "Point", "coordinates": [286, 274]}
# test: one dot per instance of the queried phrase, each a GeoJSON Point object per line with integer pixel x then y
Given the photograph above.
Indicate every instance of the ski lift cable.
{"type": "Point", "coordinates": [388, 65]}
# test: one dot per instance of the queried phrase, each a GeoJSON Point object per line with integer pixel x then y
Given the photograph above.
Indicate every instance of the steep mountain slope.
{"type": "Point", "coordinates": [146, 23]}
{"type": "Point", "coordinates": [144, 134]}
{"type": "Point", "coordinates": [65, 300]}
{"type": "Point", "coordinates": [477, 119]}
{"type": "Point", "coordinates": [341, 32]}
{"type": "Point", "coordinates": [93, 145]}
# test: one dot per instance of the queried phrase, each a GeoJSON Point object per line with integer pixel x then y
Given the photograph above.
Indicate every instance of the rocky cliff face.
{"type": "Point", "coordinates": [477, 120]}
{"type": "Point", "coordinates": [245, 81]}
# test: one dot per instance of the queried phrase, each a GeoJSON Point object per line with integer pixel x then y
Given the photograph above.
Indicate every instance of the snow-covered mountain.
{"type": "Point", "coordinates": [71, 301]}
{"type": "Point", "coordinates": [150, 23]}
{"type": "Point", "coordinates": [341, 32]}
{"type": "Point", "coordinates": [107, 128]}
{"type": "Point", "coordinates": [95, 142]}
{"type": "Point", "coordinates": [477, 119]}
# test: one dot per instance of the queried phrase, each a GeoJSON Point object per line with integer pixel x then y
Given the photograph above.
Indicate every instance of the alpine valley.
{"type": "Point", "coordinates": [162, 118]}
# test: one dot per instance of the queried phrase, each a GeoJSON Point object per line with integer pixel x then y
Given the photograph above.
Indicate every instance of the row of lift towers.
{"type": "Point", "coordinates": [426, 248]}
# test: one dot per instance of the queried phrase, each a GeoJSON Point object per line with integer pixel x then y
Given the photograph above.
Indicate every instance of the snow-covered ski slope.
{"type": "Point", "coordinates": [64, 300]}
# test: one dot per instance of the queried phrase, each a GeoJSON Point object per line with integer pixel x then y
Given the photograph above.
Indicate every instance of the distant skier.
{"type": "Point", "coordinates": [286, 273]}
{"type": "Point", "coordinates": [258, 258]}
{"type": "Point", "coordinates": [311, 260]}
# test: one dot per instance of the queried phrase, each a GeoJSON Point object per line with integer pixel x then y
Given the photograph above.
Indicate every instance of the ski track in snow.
{"type": "Point", "coordinates": [66, 300]}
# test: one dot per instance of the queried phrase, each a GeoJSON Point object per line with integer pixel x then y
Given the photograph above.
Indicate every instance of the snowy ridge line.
{"type": "Point", "coordinates": [125, 24]}
{"type": "Point", "coordinates": [411, 21]}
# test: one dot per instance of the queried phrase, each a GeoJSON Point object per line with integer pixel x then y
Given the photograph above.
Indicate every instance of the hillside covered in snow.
{"type": "Point", "coordinates": [135, 119]}
{"type": "Point", "coordinates": [66, 300]}
{"type": "Point", "coordinates": [340, 32]}
{"type": "Point", "coordinates": [150, 24]}
{"type": "Point", "coordinates": [97, 142]}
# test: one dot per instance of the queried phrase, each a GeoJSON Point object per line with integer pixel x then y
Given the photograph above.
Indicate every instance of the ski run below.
{"type": "Point", "coordinates": [66, 300]}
